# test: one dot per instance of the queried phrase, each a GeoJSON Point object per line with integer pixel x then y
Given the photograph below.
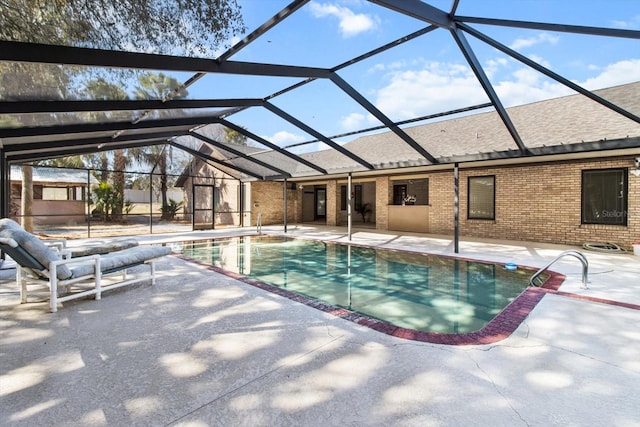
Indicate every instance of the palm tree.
{"type": "Point", "coordinates": [159, 86]}
{"type": "Point", "coordinates": [101, 89]}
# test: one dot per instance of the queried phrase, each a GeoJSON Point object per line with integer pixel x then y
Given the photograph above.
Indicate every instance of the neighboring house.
{"type": "Point", "coordinates": [584, 184]}
{"type": "Point", "coordinates": [212, 197]}
{"type": "Point", "coordinates": [59, 195]}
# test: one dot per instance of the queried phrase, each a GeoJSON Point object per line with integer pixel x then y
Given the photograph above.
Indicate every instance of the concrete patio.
{"type": "Point", "coordinates": [203, 349]}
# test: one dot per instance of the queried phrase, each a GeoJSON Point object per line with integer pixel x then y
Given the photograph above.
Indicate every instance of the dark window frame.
{"type": "Point", "coordinates": [624, 174]}
{"type": "Point", "coordinates": [469, 180]}
{"type": "Point", "coordinates": [357, 195]}
{"type": "Point", "coordinates": [399, 191]}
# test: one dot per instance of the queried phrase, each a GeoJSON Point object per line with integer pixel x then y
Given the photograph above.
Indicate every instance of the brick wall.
{"type": "Point", "coordinates": [383, 198]}
{"type": "Point", "coordinates": [538, 202]}
{"type": "Point", "coordinates": [333, 202]}
{"type": "Point", "coordinates": [267, 197]}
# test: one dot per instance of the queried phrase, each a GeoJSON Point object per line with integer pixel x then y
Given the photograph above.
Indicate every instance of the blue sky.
{"type": "Point", "coordinates": [427, 75]}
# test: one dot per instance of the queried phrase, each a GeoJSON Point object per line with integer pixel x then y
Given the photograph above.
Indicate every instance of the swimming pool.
{"type": "Point", "coordinates": [413, 291]}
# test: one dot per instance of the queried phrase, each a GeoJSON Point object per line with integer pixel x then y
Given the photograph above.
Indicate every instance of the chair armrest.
{"type": "Point", "coordinates": [79, 260]}
{"type": "Point", "coordinates": [58, 245]}
{"type": "Point", "coordinates": [9, 242]}
{"type": "Point", "coordinates": [65, 253]}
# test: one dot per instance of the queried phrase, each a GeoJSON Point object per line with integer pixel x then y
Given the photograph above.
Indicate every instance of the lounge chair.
{"type": "Point", "coordinates": [41, 263]}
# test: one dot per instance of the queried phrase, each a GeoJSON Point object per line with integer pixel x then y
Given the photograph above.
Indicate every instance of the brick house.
{"type": "Point", "coordinates": [581, 182]}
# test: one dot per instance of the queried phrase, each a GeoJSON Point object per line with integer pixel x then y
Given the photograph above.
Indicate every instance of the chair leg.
{"type": "Point", "coordinates": [98, 273]}
{"type": "Point", "coordinates": [53, 287]}
{"type": "Point", "coordinates": [22, 282]}
{"type": "Point", "coordinates": [152, 268]}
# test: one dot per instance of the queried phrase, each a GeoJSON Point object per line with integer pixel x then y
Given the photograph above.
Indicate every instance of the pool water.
{"type": "Point", "coordinates": [411, 290]}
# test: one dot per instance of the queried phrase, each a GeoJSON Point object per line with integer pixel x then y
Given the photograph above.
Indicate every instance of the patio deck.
{"type": "Point", "coordinates": [200, 348]}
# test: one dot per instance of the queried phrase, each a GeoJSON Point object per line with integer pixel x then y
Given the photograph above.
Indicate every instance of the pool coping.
{"type": "Point", "coordinates": [497, 329]}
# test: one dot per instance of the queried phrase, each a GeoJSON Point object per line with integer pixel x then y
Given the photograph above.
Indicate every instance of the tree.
{"type": "Point", "coordinates": [195, 26]}
{"type": "Point", "coordinates": [158, 86]}
{"type": "Point", "coordinates": [106, 200]}
{"type": "Point", "coordinates": [27, 198]}
{"type": "Point", "coordinates": [234, 137]}
{"type": "Point", "coordinates": [102, 89]}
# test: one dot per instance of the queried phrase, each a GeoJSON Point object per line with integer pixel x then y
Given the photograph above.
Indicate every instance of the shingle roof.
{"type": "Point", "coordinates": [572, 119]}
{"type": "Point", "coordinates": [55, 175]}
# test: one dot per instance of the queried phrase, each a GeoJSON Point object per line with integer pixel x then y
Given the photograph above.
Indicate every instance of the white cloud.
{"type": "Point", "coordinates": [528, 86]}
{"type": "Point", "coordinates": [351, 23]}
{"type": "Point", "coordinates": [494, 65]}
{"type": "Point", "coordinates": [282, 138]}
{"type": "Point", "coordinates": [522, 43]}
{"type": "Point", "coordinates": [376, 68]}
{"type": "Point", "coordinates": [435, 88]}
{"type": "Point", "coordinates": [438, 87]}
{"type": "Point", "coordinates": [353, 121]}
{"type": "Point", "coordinates": [630, 24]}
{"type": "Point", "coordinates": [615, 74]}
{"type": "Point", "coordinates": [540, 60]}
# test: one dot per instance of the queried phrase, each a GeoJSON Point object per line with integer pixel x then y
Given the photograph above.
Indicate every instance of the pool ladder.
{"type": "Point", "coordinates": [259, 223]}
{"type": "Point", "coordinates": [537, 281]}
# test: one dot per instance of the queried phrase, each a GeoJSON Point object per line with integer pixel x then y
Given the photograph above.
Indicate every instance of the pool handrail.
{"type": "Point", "coordinates": [259, 223]}
{"type": "Point", "coordinates": [573, 253]}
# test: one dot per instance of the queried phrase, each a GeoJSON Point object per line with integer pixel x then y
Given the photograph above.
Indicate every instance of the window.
{"type": "Point", "coordinates": [411, 191]}
{"type": "Point", "coordinates": [357, 195]}
{"type": "Point", "coordinates": [482, 197]}
{"type": "Point", "coordinates": [399, 193]}
{"type": "Point", "coordinates": [604, 196]}
{"type": "Point", "coordinates": [55, 193]}
{"type": "Point", "coordinates": [58, 193]}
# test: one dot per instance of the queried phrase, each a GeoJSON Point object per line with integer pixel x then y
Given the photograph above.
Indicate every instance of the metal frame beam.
{"type": "Point", "coordinates": [99, 141]}
{"type": "Point", "coordinates": [238, 153]}
{"type": "Point", "coordinates": [301, 125]}
{"type": "Point", "coordinates": [549, 150]}
{"type": "Point", "coordinates": [425, 12]}
{"type": "Point", "coordinates": [106, 126]}
{"type": "Point", "coordinates": [475, 65]}
{"type": "Point", "coordinates": [355, 95]}
{"type": "Point", "coordinates": [22, 107]}
{"type": "Point", "coordinates": [418, 10]}
{"type": "Point", "coordinates": [266, 26]}
{"type": "Point", "coordinates": [32, 156]}
{"type": "Point", "coordinates": [5, 184]}
{"type": "Point", "coordinates": [402, 122]}
{"type": "Point", "coordinates": [203, 156]}
{"type": "Point", "coordinates": [66, 55]}
{"type": "Point", "coordinates": [563, 28]}
{"type": "Point", "coordinates": [548, 73]}
{"type": "Point", "coordinates": [266, 143]}
{"type": "Point", "coordinates": [385, 47]}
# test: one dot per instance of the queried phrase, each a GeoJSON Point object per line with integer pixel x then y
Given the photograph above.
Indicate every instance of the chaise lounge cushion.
{"type": "Point", "coordinates": [33, 245]}
{"type": "Point", "coordinates": [114, 261]}
{"type": "Point", "coordinates": [102, 247]}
